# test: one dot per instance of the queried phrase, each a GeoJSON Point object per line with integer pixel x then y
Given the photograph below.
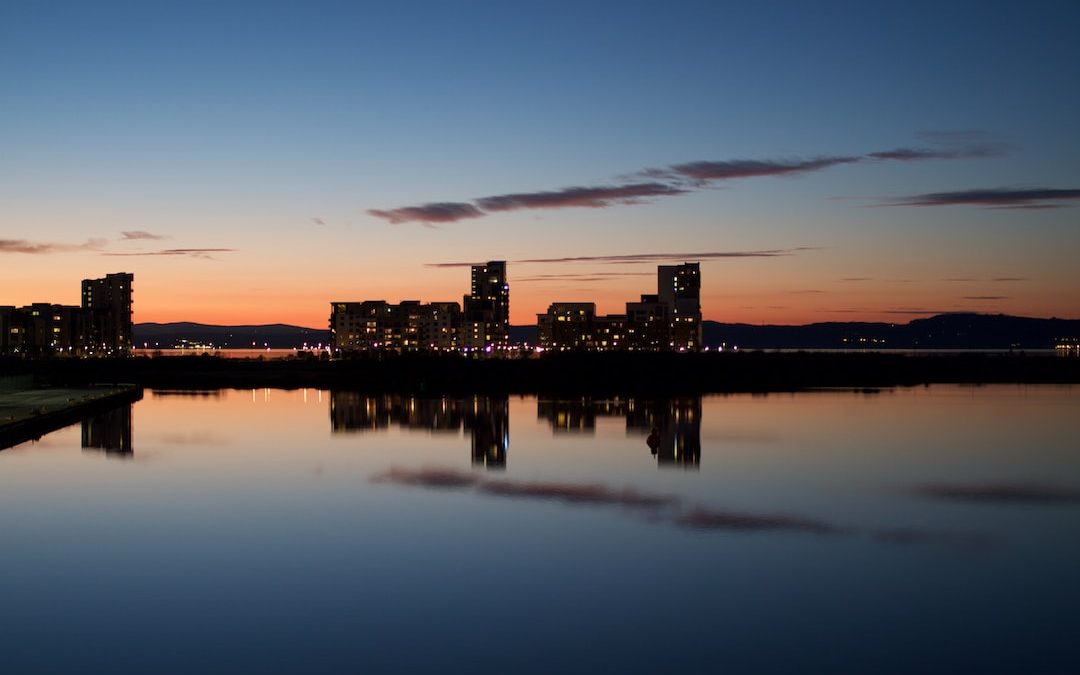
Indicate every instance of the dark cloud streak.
{"type": "Point", "coordinates": [43, 248]}
{"type": "Point", "coordinates": [998, 198]}
{"type": "Point", "coordinates": [679, 179]}
{"type": "Point", "coordinates": [703, 172]}
{"type": "Point", "coordinates": [633, 258]}
{"type": "Point", "coordinates": [435, 212]}
{"type": "Point", "coordinates": [137, 235]}
{"type": "Point", "coordinates": [204, 253]}
{"type": "Point", "coordinates": [581, 197]}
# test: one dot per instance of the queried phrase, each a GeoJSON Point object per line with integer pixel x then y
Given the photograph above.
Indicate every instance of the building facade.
{"type": "Point", "coordinates": [679, 287]}
{"type": "Point", "coordinates": [667, 321]}
{"type": "Point", "coordinates": [106, 305]}
{"type": "Point", "coordinates": [487, 308]}
{"type": "Point", "coordinates": [100, 326]}
{"type": "Point", "coordinates": [376, 325]}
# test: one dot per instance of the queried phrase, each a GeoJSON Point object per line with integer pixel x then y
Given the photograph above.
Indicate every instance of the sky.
{"type": "Point", "coordinates": [832, 161]}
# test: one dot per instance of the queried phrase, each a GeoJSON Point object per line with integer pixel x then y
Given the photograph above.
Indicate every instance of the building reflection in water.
{"type": "Point", "coordinates": [109, 431]}
{"type": "Point", "coordinates": [486, 418]}
{"type": "Point", "coordinates": [671, 427]}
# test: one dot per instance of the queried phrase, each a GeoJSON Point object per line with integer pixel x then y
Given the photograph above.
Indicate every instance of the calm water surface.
{"type": "Point", "coordinates": [912, 530]}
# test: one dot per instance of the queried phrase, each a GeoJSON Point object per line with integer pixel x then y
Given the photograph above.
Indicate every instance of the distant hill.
{"type": "Point", "coordinates": [277, 335]}
{"type": "Point", "coordinates": [944, 331]}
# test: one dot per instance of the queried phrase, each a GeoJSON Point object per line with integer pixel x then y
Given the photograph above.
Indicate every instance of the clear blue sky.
{"type": "Point", "coordinates": [274, 130]}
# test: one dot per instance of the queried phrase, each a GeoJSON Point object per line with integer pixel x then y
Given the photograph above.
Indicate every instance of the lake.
{"type": "Point", "coordinates": [931, 530]}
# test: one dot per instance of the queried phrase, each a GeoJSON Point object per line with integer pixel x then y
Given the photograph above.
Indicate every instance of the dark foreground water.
{"type": "Point", "coordinates": [907, 531]}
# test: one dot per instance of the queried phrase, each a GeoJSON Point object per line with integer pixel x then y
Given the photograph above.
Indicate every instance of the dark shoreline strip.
{"type": "Point", "coordinates": [18, 431]}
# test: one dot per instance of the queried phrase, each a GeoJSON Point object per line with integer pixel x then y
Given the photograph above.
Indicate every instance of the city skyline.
{"type": "Point", "coordinates": [251, 162]}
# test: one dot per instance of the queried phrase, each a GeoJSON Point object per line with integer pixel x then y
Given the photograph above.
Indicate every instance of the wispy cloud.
{"type": "Point", "coordinates": [1023, 493]}
{"type": "Point", "coordinates": [204, 253]}
{"type": "Point", "coordinates": [136, 235]}
{"type": "Point", "coordinates": [704, 172]}
{"type": "Point", "coordinates": [594, 276]}
{"type": "Point", "coordinates": [997, 198]}
{"type": "Point", "coordinates": [947, 145]}
{"type": "Point", "coordinates": [633, 258]}
{"type": "Point", "coordinates": [587, 197]}
{"type": "Point", "coordinates": [985, 297]}
{"type": "Point", "coordinates": [318, 221]}
{"type": "Point", "coordinates": [856, 279]}
{"type": "Point", "coordinates": [435, 212]}
{"type": "Point", "coordinates": [677, 179]}
{"type": "Point", "coordinates": [1009, 279]}
{"type": "Point", "coordinates": [44, 248]}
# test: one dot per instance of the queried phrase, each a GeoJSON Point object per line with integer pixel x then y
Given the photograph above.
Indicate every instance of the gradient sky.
{"type": "Point", "coordinates": [251, 162]}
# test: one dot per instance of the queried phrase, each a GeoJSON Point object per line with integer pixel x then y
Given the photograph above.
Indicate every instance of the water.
{"type": "Point", "coordinates": [911, 530]}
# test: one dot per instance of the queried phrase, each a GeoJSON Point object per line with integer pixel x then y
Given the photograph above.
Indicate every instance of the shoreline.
{"type": "Point", "coordinates": [27, 414]}
{"type": "Point", "coordinates": [568, 373]}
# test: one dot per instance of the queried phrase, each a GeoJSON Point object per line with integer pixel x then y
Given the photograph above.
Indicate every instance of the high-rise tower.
{"type": "Point", "coordinates": [106, 303]}
{"type": "Point", "coordinates": [679, 287]}
{"type": "Point", "coordinates": [487, 307]}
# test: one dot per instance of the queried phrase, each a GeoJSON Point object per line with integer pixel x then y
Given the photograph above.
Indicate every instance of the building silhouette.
{"type": "Point", "coordinates": [485, 419]}
{"type": "Point", "coordinates": [487, 308]}
{"type": "Point", "coordinates": [106, 305]}
{"type": "Point", "coordinates": [679, 287]}
{"type": "Point", "coordinates": [667, 321]}
{"type": "Point", "coordinates": [100, 326]}
{"type": "Point", "coordinates": [376, 325]}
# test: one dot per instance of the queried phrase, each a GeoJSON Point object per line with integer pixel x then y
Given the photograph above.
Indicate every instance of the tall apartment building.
{"type": "Point", "coordinates": [487, 307]}
{"type": "Point", "coordinates": [669, 320]}
{"type": "Point", "coordinates": [106, 304]}
{"type": "Point", "coordinates": [679, 287]}
{"type": "Point", "coordinates": [101, 326]}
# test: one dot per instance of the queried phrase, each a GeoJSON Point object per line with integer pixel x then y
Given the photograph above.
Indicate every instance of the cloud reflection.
{"type": "Point", "coordinates": [593, 493]}
{"type": "Point", "coordinates": [707, 519]}
{"type": "Point", "coordinates": [427, 477]}
{"type": "Point", "coordinates": [1023, 493]}
{"type": "Point", "coordinates": [961, 541]}
{"type": "Point", "coordinates": [660, 507]}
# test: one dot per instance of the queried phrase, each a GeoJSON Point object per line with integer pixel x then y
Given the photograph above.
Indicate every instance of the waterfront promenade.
{"type": "Point", "coordinates": [28, 413]}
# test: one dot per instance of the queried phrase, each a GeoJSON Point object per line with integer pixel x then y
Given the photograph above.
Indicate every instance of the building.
{"type": "Point", "coordinates": [667, 321]}
{"type": "Point", "coordinates": [649, 324]}
{"type": "Point", "coordinates": [487, 308]}
{"type": "Point", "coordinates": [106, 305]}
{"type": "Point", "coordinates": [101, 326]}
{"type": "Point", "coordinates": [438, 326]}
{"type": "Point", "coordinates": [567, 326]}
{"type": "Point", "coordinates": [679, 287]}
